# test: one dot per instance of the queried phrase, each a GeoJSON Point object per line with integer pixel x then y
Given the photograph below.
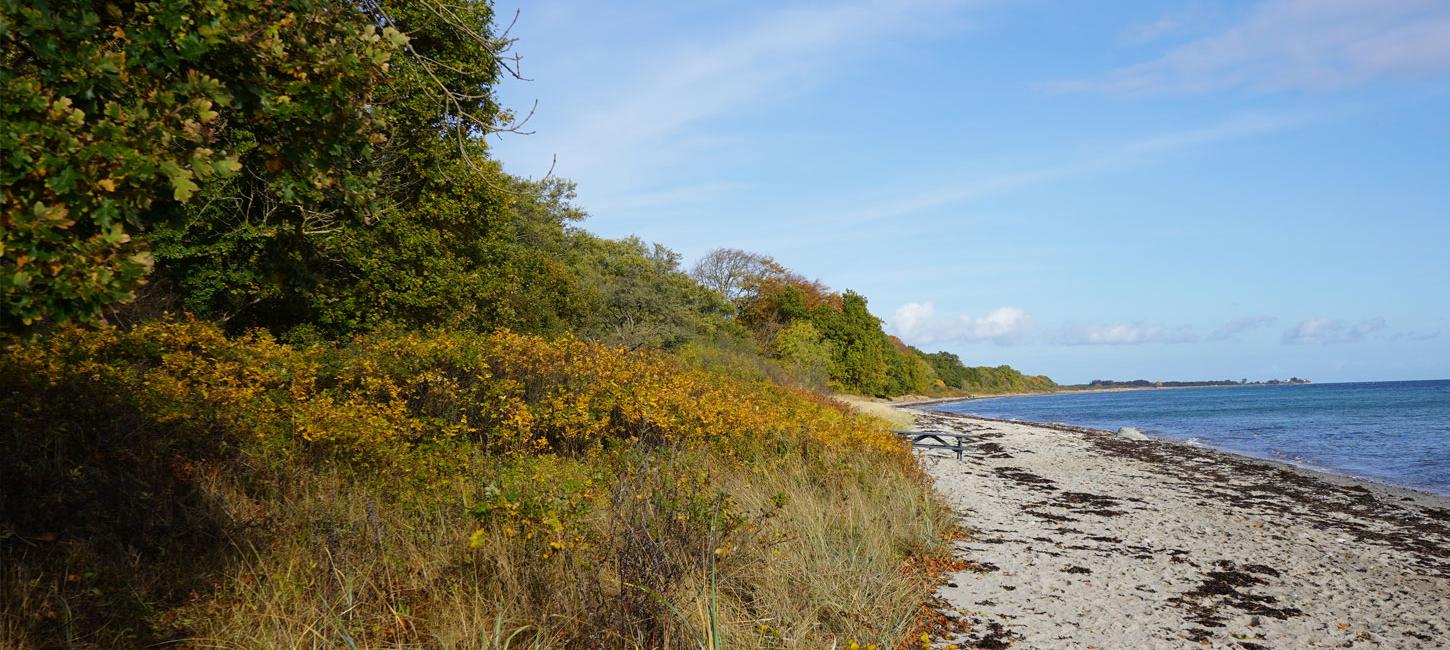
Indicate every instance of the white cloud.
{"type": "Point", "coordinates": [647, 118]}
{"type": "Point", "coordinates": [1152, 31]}
{"type": "Point", "coordinates": [1328, 330]}
{"type": "Point", "coordinates": [1234, 328]}
{"type": "Point", "coordinates": [1180, 21]}
{"type": "Point", "coordinates": [1125, 334]}
{"type": "Point", "coordinates": [917, 323]}
{"type": "Point", "coordinates": [1124, 153]}
{"type": "Point", "coordinates": [1297, 44]}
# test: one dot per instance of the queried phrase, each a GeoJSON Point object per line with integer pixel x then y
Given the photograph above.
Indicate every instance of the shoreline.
{"type": "Point", "coordinates": [1326, 474]}
{"type": "Point", "coordinates": [928, 401]}
{"type": "Point", "coordinates": [1323, 472]}
{"type": "Point", "coordinates": [1083, 538]}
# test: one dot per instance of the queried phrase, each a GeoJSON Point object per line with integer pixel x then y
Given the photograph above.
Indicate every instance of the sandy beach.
{"type": "Point", "coordinates": [1085, 539]}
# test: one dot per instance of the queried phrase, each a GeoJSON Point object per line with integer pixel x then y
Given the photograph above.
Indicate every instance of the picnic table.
{"type": "Point", "coordinates": [935, 440]}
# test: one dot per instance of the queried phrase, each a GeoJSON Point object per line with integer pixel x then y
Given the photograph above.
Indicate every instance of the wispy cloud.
{"type": "Point", "coordinates": [683, 195]}
{"type": "Point", "coordinates": [1328, 330]}
{"type": "Point", "coordinates": [1127, 152]}
{"type": "Point", "coordinates": [1152, 31]}
{"type": "Point", "coordinates": [1125, 334]}
{"type": "Point", "coordinates": [1179, 21]}
{"type": "Point", "coordinates": [1296, 44]}
{"type": "Point", "coordinates": [649, 116]}
{"type": "Point", "coordinates": [1233, 328]}
{"type": "Point", "coordinates": [917, 323]}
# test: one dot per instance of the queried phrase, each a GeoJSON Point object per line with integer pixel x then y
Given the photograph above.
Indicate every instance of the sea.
{"type": "Point", "coordinates": [1393, 432]}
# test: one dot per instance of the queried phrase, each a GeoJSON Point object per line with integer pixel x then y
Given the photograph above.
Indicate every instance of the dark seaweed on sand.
{"type": "Point", "coordinates": [1274, 491]}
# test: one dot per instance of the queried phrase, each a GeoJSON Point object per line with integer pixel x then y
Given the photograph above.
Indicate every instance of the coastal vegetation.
{"type": "Point", "coordinates": [289, 359]}
{"type": "Point", "coordinates": [440, 488]}
{"type": "Point", "coordinates": [1001, 379]}
{"type": "Point", "coordinates": [831, 339]}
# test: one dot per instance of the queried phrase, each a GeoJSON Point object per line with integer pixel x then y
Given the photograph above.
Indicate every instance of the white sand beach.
{"type": "Point", "coordinates": [1084, 539]}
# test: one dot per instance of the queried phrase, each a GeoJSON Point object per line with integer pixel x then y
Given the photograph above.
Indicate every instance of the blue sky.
{"type": "Point", "coordinates": [1161, 190]}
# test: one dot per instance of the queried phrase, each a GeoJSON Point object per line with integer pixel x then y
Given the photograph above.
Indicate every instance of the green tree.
{"type": "Point", "coordinates": [804, 353]}
{"type": "Point", "coordinates": [860, 350]}
{"type": "Point", "coordinates": [910, 373]}
{"type": "Point", "coordinates": [948, 368]}
{"type": "Point", "coordinates": [115, 117]}
{"type": "Point", "coordinates": [643, 298]}
{"type": "Point", "coordinates": [457, 242]}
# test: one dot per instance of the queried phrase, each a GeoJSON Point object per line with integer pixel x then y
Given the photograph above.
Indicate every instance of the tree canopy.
{"type": "Point", "coordinates": [115, 118]}
{"type": "Point", "coordinates": [833, 338]}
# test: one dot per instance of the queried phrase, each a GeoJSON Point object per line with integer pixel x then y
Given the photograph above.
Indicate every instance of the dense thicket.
{"type": "Point", "coordinates": [450, 240]}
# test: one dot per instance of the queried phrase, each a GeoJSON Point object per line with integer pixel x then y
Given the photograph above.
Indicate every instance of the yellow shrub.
{"type": "Point", "coordinates": [592, 479]}
{"type": "Point", "coordinates": [381, 401]}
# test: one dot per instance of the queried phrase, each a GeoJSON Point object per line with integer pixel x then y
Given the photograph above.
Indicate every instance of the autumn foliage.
{"type": "Point", "coordinates": [383, 398]}
{"type": "Point", "coordinates": [564, 462]}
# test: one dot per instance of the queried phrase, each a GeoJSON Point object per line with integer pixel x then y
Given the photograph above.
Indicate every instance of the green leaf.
{"type": "Point", "coordinates": [227, 166]}
{"type": "Point", "coordinates": [182, 187]}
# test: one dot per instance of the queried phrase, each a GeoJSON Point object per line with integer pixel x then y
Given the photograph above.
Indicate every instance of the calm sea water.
{"type": "Point", "coordinates": [1392, 432]}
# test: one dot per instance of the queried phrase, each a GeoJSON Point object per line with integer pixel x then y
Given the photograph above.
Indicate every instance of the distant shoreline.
{"type": "Point", "coordinates": [924, 401]}
{"type": "Point", "coordinates": [920, 400]}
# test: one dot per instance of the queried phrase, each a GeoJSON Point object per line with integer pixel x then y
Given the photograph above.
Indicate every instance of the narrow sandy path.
{"type": "Point", "coordinates": [1084, 539]}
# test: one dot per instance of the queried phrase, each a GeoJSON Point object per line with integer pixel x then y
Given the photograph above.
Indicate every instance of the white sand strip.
{"type": "Point", "coordinates": [1088, 540]}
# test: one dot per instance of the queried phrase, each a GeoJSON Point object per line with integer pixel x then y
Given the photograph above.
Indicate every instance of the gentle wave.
{"type": "Point", "coordinates": [1391, 432]}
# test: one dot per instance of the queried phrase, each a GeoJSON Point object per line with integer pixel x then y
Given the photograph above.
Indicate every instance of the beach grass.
{"type": "Point", "coordinates": [878, 408]}
{"type": "Point", "coordinates": [236, 492]}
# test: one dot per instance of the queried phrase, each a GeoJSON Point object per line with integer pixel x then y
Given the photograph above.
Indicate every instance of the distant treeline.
{"type": "Point", "coordinates": [828, 339]}
{"type": "Point", "coordinates": [1144, 383]}
{"type": "Point", "coordinates": [983, 379]}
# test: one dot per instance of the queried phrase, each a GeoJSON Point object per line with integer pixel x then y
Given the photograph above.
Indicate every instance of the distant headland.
{"type": "Point", "coordinates": [1144, 383]}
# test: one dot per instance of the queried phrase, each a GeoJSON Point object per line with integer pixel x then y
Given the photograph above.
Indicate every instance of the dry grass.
{"type": "Point", "coordinates": [897, 418]}
{"type": "Point", "coordinates": [819, 563]}
{"type": "Point", "coordinates": [834, 573]}
{"type": "Point", "coordinates": [815, 559]}
{"type": "Point", "coordinates": [180, 505]}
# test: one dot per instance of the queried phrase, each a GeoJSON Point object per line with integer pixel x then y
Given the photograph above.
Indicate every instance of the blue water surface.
{"type": "Point", "coordinates": [1391, 432]}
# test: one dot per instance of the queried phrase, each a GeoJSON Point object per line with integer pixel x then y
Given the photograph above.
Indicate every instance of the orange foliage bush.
{"type": "Point", "coordinates": [592, 478]}
{"type": "Point", "coordinates": [389, 401]}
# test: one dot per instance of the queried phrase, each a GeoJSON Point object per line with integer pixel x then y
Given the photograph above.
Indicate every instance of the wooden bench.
{"type": "Point", "coordinates": [935, 440]}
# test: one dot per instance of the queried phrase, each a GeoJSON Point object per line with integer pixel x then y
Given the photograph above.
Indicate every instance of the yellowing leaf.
{"type": "Point", "coordinates": [182, 187]}
{"type": "Point", "coordinates": [395, 37]}
{"type": "Point", "coordinates": [227, 166]}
